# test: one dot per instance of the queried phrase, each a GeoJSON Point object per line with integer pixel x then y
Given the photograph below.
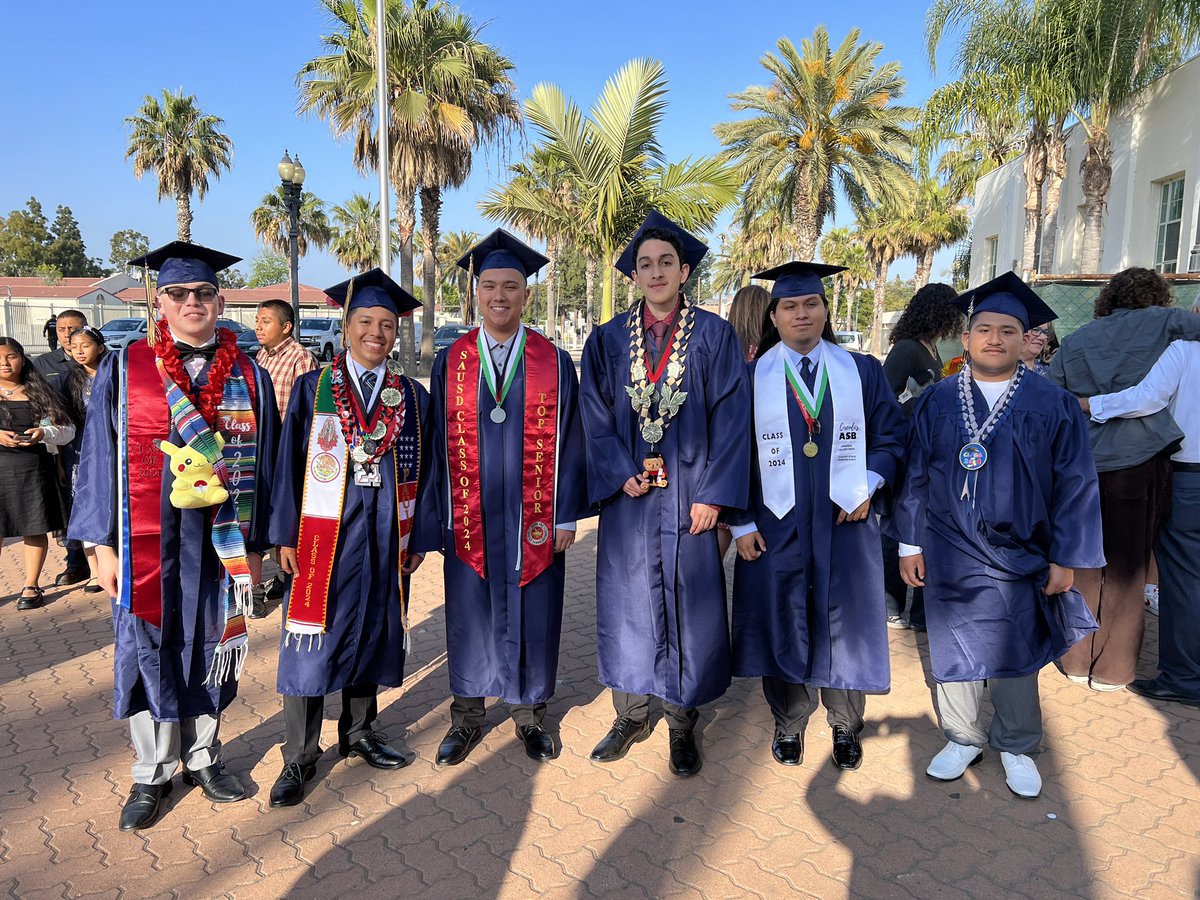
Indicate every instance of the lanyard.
{"type": "Point", "coordinates": [511, 366]}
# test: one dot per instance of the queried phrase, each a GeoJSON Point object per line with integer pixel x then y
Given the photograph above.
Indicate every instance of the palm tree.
{"type": "Point", "coordinates": [452, 247]}
{"type": "Point", "coordinates": [271, 224]}
{"type": "Point", "coordinates": [842, 247]}
{"type": "Point", "coordinates": [882, 234]}
{"type": "Point", "coordinates": [355, 241]}
{"type": "Point", "coordinates": [617, 167]}
{"type": "Point", "coordinates": [935, 219]}
{"type": "Point", "coordinates": [182, 145]}
{"type": "Point", "coordinates": [826, 122]}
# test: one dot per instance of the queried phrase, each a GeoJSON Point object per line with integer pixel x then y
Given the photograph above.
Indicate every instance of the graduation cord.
{"type": "Point", "coordinates": [973, 432]}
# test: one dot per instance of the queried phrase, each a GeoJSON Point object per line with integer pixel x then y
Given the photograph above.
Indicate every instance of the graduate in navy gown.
{"type": "Point", "coordinates": [808, 602]}
{"type": "Point", "coordinates": [350, 466]}
{"type": "Point", "coordinates": [177, 553]}
{"type": "Point", "coordinates": [508, 460]}
{"type": "Point", "coordinates": [665, 405]}
{"type": "Point", "coordinates": [999, 505]}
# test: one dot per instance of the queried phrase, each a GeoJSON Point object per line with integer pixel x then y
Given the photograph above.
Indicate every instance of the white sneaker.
{"type": "Point", "coordinates": [952, 761]}
{"type": "Point", "coordinates": [1152, 599]}
{"type": "Point", "coordinates": [1078, 679]}
{"type": "Point", "coordinates": [1021, 775]}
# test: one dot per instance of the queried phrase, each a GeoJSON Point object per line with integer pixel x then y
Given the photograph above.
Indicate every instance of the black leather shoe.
{"type": "Point", "coordinates": [276, 587]}
{"type": "Point", "coordinates": [1151, 688]}
{"type": "Point", "coordinates": [377, 752]}
{"type": "Point", "coordinates": [625, 732]}
{"type": "Point", "coordinates": [72, 575]}
{"type": "Point", "coordinates": [141, 806]}
{"type": "Point", "coordinates": [457, 745]}
{"type": "Point", "coordinates": [847, 748]}
{"type": "Point", "coordinates": [538, 744]}
{"type": "Point", "coordinates": [218, 785]}
{"type": "Point", "coordinates": [32, 597]}
{"type": "Point", "coordinates": [288, 789]}
{"type": "Point", "coordinates": [685, 755]}
{"type": "Point", "coordinates": [258, 606]}
{"type": "Point", "coordinates": [788, 749]}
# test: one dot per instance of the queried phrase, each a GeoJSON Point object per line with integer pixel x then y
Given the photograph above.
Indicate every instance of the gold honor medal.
{"type": "Point", "coordinates": [810, 449]}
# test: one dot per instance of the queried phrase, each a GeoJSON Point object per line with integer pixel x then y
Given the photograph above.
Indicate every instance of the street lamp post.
{"type": "Point", "coordinates": [291, 173]}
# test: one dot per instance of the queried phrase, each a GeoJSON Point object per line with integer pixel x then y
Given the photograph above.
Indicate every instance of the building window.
{"type": "Point", "coordinates": [1170, 220]}
{"type": "Point", "coordinates": [991, 250]}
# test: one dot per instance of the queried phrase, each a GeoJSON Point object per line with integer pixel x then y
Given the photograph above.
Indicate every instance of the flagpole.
{"type": "Point", "coordinates": [381, 96]}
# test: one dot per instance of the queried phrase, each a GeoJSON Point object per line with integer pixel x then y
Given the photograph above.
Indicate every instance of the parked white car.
{"type": "Point", "coordinates": [322, 336]}
{"type": "Point", "coordinates": [120, 333]}
{"type": "Point", "coordinates": [849, 340]}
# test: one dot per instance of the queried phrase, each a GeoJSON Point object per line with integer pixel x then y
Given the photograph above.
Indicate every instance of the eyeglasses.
{"type": "Point", "coordinates": [1044, 332]}
{"type": "Point", "coordinates": [180, 294]}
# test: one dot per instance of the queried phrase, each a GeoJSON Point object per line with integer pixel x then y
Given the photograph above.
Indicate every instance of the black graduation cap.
{"type": "Point", "coordinates": [373, 288]}
{"type": "Point", "coordinates": [1009, 295]}
{"type": "Point", "coordinates": [798, 279]}
{"type": "Point", "coordinates": [182, 263]}
{"type": "Point", "coordinates": [693, 248]}
{"type": "Point", "coordinates": [500, 250]}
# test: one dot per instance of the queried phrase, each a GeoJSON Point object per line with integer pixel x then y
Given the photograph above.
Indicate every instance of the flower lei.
{"type": "Point", "coordinates": [210, 395]}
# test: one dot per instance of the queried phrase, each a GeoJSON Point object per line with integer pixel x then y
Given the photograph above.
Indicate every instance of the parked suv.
{"type": "Point", "coordinates": [322, 336]}
{"type": "Point", "coordinates": [120, 333]}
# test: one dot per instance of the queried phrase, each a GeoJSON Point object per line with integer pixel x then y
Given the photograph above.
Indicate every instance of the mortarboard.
{"type": "Point", "coordinates": [693, 248]}
{"type": "Point", "coordinates": [798, 279]}
{"type": "Point", "coordinates": [182, 263]}
{"type": "Point", "coordinates": [372, 288]}
{"type": "Point", "coordinates": [500, 250]}
{"type": "Point", "coordinates": [1008, 295]}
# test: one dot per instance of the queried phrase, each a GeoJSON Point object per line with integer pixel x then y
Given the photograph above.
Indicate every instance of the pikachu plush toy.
{"type": "Point", "coordinates": [196, 484]}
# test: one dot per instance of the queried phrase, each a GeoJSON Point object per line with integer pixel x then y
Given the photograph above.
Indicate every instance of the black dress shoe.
{"type": "Point", "coordinates": [141, 806]}
{"type": "Point", "coordinates": [625, 732]}
{"type": "Point", "coordinates": [276, 587]}
{"type": "Point", "coordinates": [847, 748]}
{"type": "Point", "coordinates": [377, 752]}
{"type": "Point", "coordinates": [288, 789]}
{"type": "Point", "coordinates": [72, 575]}
{"type": "Point", "coordinates": [538, 744]}
{"type": "Point", "coordinates": [788, 749]}
{"type": "Point", "coordinates": [457, 745]}
{"type": "Point", "coordinates": [685, 755]}
{"type": "Point", "coordinates": [258, 606]}
{"type": "Point", "coordinates": [218, 785]}
{"type": "Point", "coordinates": [1151, 688]}
{"type": "Point", "coordinates": [32, 597]}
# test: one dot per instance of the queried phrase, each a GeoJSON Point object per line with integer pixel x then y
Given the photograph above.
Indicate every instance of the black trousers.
{"type": "Point", "coordinates": [469, 712]}
{"type": "Point", "coordinates": [894, 586]}
{"type": "Point", "coordinates": [793, 704]}
{"type": "Point", "coordinates": [637, 707]}
{"type": "Point", "coordinates": [302, 721]}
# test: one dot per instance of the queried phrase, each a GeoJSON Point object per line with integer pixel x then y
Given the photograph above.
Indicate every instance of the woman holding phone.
{"type": "Point", "coordinates": [33, 420]}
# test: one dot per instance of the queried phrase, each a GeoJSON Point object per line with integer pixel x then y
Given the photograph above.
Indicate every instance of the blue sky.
{"type": "Point", "coordinates": [74, 70]}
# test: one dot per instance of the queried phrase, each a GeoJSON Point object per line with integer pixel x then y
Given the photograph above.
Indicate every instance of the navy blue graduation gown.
{"type": "Point", "coordinates": [661, 622]}
{"type": "Point", "coordinates": [365, 639]}
{"type": "Point", "coordinates": [811, 609]}
{"type": "Point", "coordinates": [502, 639]}
{"type": "Point", "coordinates": [164, 670]}
{"type": "Point", "coordinates": [1036, 501]}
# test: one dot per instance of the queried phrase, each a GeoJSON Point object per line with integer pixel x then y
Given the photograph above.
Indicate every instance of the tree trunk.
{"type": "Point", "coordinates": [431, 209]}
{"type": "Point", "coordinates": [630, 293]}
{"type": "Point", "coordinates": [551, 298]}
{"type": "Point", "coordinates": [183, 216]}
{"type": "Point", "coordinates": [589, 277]}
{"type": "Point", "coordinates": [1034, 168]}
{"type": "Point", "coordinates": [1056, 171]}
{"type": "Point", "coordinates": [924, 267]}
{"type": "Point", "coordinates": [881, 273]}
{"type": "Point", "coordinates": [406, 220]}
{"type": "Point", "coordinates": [1096, 169]}
{"type": "Point", "coordinates": [837, 300]}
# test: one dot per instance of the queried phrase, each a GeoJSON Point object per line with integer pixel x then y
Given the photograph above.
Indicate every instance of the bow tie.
{"type": "Point", "coordinates": [187, 351]}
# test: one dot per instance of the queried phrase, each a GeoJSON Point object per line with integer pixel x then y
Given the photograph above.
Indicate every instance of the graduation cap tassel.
{"type": "Point", "coordinates": [346, 311]}
{"type": "Point", "coordinates": [151, 321]}
{"type": "Point", "coordinates": [469, 317]}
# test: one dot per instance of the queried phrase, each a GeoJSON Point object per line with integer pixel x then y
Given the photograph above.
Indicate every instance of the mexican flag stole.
{"type": "Point", "coordinates": [326, 474]}
{"type": "Point", "coordinates": [540, 424]}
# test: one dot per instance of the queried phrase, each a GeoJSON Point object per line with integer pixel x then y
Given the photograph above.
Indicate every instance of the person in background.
{"type": "Point", "coordinates": [55, 366]}
{"type": "Point", "coordinates": [1040, 346]}
{"type": "Point", "coordinates": [87, 348]}
{"type": "Point", "coordinates": [912, 366]}
{"type": "Point", "coordinates": [747, 315]}
{"type": "Point", "coordinates": [1134, 324]}
{"type": "Point", "coordinates": [284, 359]}
{"type": "Point", "coordinates": [32, 421]}
{"type": "Point", "coordinates": [50, 332]}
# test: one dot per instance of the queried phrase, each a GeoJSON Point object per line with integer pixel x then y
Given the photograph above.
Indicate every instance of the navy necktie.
{"type": "Point", "coordinates": [808, 374]}
{"type": "Point", "coordinates": [367, 381]}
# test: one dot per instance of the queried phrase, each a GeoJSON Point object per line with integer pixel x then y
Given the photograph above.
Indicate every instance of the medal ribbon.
{"type": "Point", "coordinates": [539, 445]}
{"type": "Point", "coordinates": [810, 409]}
{"type": "Point", "coordinates": [514, 361]}
{"type": "Point", "coordinates": [462, 449]}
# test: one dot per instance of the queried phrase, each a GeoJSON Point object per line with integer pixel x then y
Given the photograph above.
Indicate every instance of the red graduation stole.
{"type": "Point", "coordinates": [539, 448]}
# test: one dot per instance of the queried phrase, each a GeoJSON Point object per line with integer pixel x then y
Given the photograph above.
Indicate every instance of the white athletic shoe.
{"type": "Point", "coordinates": [952, 761]}
{"type": "Point", "coordinates": [1021, 775]}
{"type": "Point", "coordinates": [1152, 599]}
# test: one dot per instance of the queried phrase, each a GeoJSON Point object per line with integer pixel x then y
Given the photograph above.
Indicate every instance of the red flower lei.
{"type": "Point", "coordinates": [222, 364]}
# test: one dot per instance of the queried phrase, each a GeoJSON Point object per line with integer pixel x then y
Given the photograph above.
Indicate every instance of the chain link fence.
{"type": "Point", "coordinates": [1074, 300]}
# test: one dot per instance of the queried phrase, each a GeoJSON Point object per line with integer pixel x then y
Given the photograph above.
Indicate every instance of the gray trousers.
{"type": "Point", "coordinates": [1016, 726]}
{"type": "Point", "coordinates": [793, 704]}
{"type": "Point", "coordinates": [1177, 551]}
{"type": "Point", "coordinates": [161, 746]}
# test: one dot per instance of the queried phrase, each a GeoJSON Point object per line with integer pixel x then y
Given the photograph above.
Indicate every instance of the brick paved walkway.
{"type": "Point", "coordinates": [1119, 815]}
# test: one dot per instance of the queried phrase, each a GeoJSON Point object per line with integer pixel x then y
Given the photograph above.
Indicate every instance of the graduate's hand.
{"type": "Point", "coordinates": [751, 546]}
{"type": "Point", "coordinates": [858, 515]}
{"type": "Point", "coordinates": [635, 486]}
{"type": "Point", "coordinates": [1085, 404]}
{"type": "Point", "coordinates": [413, 562]}
{"type": "Point", "coordinates": [106, 569]}
{"type": "Point", "coordinates": [912, 570]}
{"type": "Point", "coordinates": [254, 560]}
{"type": "Point", "coordinates": [563, 538]}
{"type": "Point", "coordinates": [1061, 578]}
{"type": "Point", "coordinates": [287, 560]}
{"type": "Point", "coordinates": [704, 518]}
